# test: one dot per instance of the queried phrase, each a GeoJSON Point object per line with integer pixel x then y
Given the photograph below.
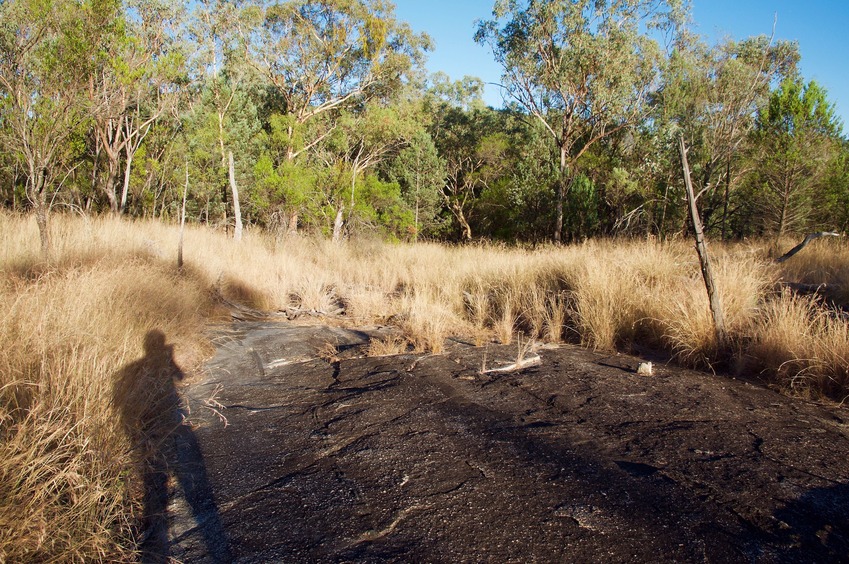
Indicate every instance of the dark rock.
{"type": "Point", "coordinates": [423, 459]}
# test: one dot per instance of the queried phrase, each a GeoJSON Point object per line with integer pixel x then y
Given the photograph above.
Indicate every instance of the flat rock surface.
{"type": "Point", "coordinates": [332, 457]}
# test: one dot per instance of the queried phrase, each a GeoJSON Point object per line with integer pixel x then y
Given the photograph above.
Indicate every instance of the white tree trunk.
{"type": "Point", "coordinates": [126, 189]}
{"type": "Point", "coordinates": [183, 220]}
{"type": "Point", "coordinates": [337, 225]}
{"type": "Point", "coordinates": [237, 212]}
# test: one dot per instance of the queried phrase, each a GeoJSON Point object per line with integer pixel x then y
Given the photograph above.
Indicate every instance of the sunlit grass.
{"type": "Point", "coordinates": [72, 322]}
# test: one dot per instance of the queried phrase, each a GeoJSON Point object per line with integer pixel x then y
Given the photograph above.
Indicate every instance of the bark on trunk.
{"type": "Point", "coordinates": [785, 205]}
{"type": "Point", "coordinates": [183, 220]}
{"type": "Point", "coordinates": [337, 225]}
{"type": "Point", "coordinates": [701, 249]}
{"type": "Point", "coordinates": [237, 212]}
{"type": "Point", "coordinates": [559, 196]}
{"type": "Point", "coordinates": [37, 194]}
{"type": "Point", "coordinates": [292, 229]}
{"type": "Point", "coordinates": [662, 227]}
{"type": "Point", "coordinates": [725, 199]}
{"type": "Point", "coordinates": [109, 189]}
{"type": "Point", "coordinates": [808, 238]}
{"type": "Point", "coordinates": [126, 189]}
{"type": "Point", "coordinates": [43, 228]}
{"type": "Point", "coordinates": [224, 165]}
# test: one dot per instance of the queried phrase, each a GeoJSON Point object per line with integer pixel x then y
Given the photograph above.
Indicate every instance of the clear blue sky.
{"type": "Point", "coordinates": [821, 27]}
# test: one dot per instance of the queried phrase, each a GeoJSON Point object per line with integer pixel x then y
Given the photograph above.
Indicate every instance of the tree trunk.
{"type": "Point", "coordinates": [464, 224]}
{"type": "Point", "coordinates": [337, 225]}
{"type": "Point", "coordinates": [559, 196]}
{"type": "Point", "coordinates": [701, 249]}
{"type": "Point", "coordinates": [785, 206]}
{"type": "Point", "coordinates": [725, 198]}
{"type": "Point", "coordinates": [416, 224]}
{"type": "Point", "coordinates": [662, 227]}
{"type": "Point", "coordinates": [418, 182]}
{"type": "Point", "coordinates": [224, 165]}
{"type": "Point", "coordinates": [237, 212]}
{"type": "Point", "coordinates": [109, 188]}
{"type": "Point", "coordinates": [126, 189]}
{"type": "Point", "coordinates": [36, 190]}
{"type": "Point", "coordinates": [292, 228]}
{"type": "Point", "coordinates": [43, 227]}
{"type": "Point", "coordinates": [183, 220]}
{"type": "Point", "coordinates": [808, 238]}
{"type": "Point", "coordinates": [41, 214]}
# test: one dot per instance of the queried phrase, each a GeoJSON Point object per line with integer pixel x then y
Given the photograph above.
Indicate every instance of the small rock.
{"type": "Point", "coordinates": [644, 369]}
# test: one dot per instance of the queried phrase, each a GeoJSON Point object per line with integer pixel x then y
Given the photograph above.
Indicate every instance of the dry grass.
{"type": "Point", "coordinates": [804, 347]}
{"type": "Point", "coordinates": [71, 323]}
{"type": "Point", "coordinates": [69, 326]}
{"type": "Point", "coordinates": [387, 346]}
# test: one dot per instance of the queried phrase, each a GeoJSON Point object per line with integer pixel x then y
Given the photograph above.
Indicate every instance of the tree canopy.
{"type": "Point", "coordinates": [318, 116]}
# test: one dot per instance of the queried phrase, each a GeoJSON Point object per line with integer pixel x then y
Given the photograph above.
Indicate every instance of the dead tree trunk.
{"type": "Point", "coordinates": [237, 211]}
{"type": "Point", "coordinates": [701, 249]}
{"type": "Point", "coordinates": [560, 194]}
{"type": "Point", "coordinates": [337, 224]}
{"type": "Point", "coordinates": [183, 220]}
{"type": "Point", "coordinates": [808, 238]}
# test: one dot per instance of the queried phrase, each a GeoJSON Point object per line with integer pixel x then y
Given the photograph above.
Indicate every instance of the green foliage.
{"type": "Point", "coordinates": [583, 68]}
{"type": "Point", "coordinates": [420, 173]}
{"type": "Point", "coordinates": [288, 185]}
{"type": "Point", "coordinates": [48, 52]}
{"type": "Point", "coordinates": [379, 206]}
{"type": "Point", "coordinates": [321, 54]}
{"type": "Point", "coordinates": [795, 135]}
{"type": "Point", "coordinates": [711, 95]}
{"type": "Point", "coordinates": [327, 114]}
{"type": "Point", "coordinates": [833, 212]}
{"type": "Point", "coordinates": [581, 218]}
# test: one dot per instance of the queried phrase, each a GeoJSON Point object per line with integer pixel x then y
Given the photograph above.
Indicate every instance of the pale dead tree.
{"type": "Point", "coordinates": [132, 89]}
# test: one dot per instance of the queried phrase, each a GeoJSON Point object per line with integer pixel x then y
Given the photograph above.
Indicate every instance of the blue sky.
{"type": "Point", "coordinates": [821, 27]}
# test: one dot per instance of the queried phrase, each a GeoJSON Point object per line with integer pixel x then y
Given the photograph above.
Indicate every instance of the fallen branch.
{"type": "Point", "coordinates": [523, 363]}
{"type": "Point", "coordinates": [808, 238]}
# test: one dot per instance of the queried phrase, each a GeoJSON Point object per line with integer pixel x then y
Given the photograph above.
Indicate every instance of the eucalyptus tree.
{"type": "Point", "coordinates": [228, 87]}
{"type": "Point", "coordinates": [48, 52]}
{"type": "Point", "coordinates": [711, 96]}
{"type": "Point", "coordinates": [583, 68]}
{"type": "Point", "coordinates": [466, 93]}
{"type": "Point", "coordinates": [324, 56]}
{"type": "Point", "coordinates": [796, 134]}
{"type": "Point", "coordinates": [473, 145]}
{"type": "Point", "coordinates": [133, 86]}
{"type": "Point", "coordinates": [362, 140]}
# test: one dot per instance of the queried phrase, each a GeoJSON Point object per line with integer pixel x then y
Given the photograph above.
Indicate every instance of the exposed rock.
{"type": "Point", "coordinates": [426, 458]}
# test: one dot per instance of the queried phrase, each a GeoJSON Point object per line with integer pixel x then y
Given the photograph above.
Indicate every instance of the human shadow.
{"type": "Point", "coordinates": [154, 416]}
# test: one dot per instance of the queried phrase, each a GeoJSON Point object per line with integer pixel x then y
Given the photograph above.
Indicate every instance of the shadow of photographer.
{"type": "Point", "coordinates": [154, 416]}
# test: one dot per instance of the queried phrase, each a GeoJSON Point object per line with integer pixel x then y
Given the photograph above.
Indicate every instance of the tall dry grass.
{"type": "Point", "coordinates": [802, 346]}
{"type": "Point", "coordinates": [69, 325]}
{"type": "Point", "coordinates": [72, 322]}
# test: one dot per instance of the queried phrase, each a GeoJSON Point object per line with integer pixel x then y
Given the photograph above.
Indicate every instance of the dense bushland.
{"type": "Point", "coordinates": [317, 117]}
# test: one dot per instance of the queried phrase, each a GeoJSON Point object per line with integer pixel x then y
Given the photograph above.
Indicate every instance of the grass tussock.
{"type": "Point", "coordinates": [804, 347]}
{"type": "Point", "coordinates": [71, 323]}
